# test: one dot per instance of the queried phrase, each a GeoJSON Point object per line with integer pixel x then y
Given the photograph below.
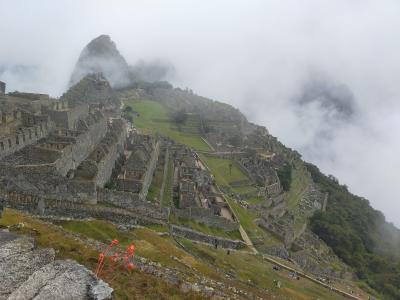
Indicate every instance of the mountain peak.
{"type": "Point", "coordinates": [102, 56]}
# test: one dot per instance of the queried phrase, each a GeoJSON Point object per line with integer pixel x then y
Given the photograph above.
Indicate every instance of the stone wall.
{"type": "Point", "coordinates": [115, 150]}
{"type": "Point", "coordinates": [46, 184]}
{"type": "Point", "coordinates": [64, 209]}
{"type": "Point", "coordinates": [26, 136]}
{"type": "Point", "coordinates": [68, 118]}
{"type": "Point", "coordinates": [208, 239]}
{"type": "Point", "coordinates": [206, 216]}
{"type": "Point", "coordinates": [132, 202]}
{"type": "Point", "coordinates": [75, 153]}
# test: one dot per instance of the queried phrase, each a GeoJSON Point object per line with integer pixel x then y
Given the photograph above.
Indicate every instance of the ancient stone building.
{"type": "Point", "coordinates": [141, 157]}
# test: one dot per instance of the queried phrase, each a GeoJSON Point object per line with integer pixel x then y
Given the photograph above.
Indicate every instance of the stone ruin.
{"type": "Point", "coordinates": [69, 149]}
{"type": "Point", "coordinates": [195, 192]}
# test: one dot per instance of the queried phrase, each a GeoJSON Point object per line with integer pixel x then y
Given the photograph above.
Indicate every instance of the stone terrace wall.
{"type": "Point", "coordinates": [25, 137]}
{"type": "Point", "coordinates": [45, 184]}
{"type": "Point", "coordinates": [61, 209]}
{"type": "Point", "coordinates": [208, 239]}
{"type": "Point", "coordinates": [206, 216]}
{"type": "Point", "coordinates": [68, 118]}
{"type": "Point", "coordinates": [130, 201]}
{"type": "Point", "coordinates": [106, 165]}
{"type": "Point", "coordinates": [74, 154]}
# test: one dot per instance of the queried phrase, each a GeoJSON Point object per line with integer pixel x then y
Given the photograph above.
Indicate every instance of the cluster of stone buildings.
{"type": "Point", "coordinates": [141, 155]}
{"type": "Point", "coordinates": [261, 171]}
{"type": "Point", "coordinates": [194, 190]}
{"type": "Point", "coordinates": [68, 149]}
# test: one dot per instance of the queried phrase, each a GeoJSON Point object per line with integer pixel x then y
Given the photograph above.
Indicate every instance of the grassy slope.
{"type": "Point", "coordinates": [223, 176]}
{"type": "Point", "coordinates": [155, 117]}
{"type": "Point", "coordinates": [253, 273]}
{"type": "Point", "coordinates": [247, 218]}
{"type": "Point", "coordinates": [132, 285]}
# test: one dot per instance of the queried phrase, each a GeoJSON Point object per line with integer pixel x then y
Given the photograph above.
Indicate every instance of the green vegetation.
{"type": "Point", "coordinates": [247, 219]}
{"type": "Point", "coordinates": [355, 231]}
{"type": "Point", "coordinates": [250, 272]}
{"type": "Point", "coordinates": [153, 116]}
{"type": "Point", "coordinates": [222, 171]}
{"type": "Point", "coordinates": [155, 186]}
{"type": "Point", "coordinates": [234, 235]}
{"type": "Point", "coordinates": [167, 199]}
{"type": "Point", "coordinates": [253, 269]}
{"type": "Point", "coordinates": [226, 171]}
{"type": "Point", "coordinates": [127, 285]}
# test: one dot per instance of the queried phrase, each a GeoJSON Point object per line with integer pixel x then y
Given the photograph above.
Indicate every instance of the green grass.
{"type": "Point", "coordinates": [155, 186]}
{"type": "Point", "coordinates": [255, 200]}
{"type": "Point", "coordinates": [126, 285]}
{"type": "Point", "coordinates": [98, 230]}
{"type": "Point", "coordinates": [220, 169]}
{"type": "Point", "coordinates": [300, 181]}
{"type": "Point", "coordinates": [167, 198]}
{"type": "Point", "coordinates": [200, 260]}
{"type": "Point", "coordinates": [247, 219]}
{"type": "Point", "coordinates": [253, 269]}
{"type": "Point", "coordinates": [234, 235]}
{"type": "Point", "coordinates": [155, 117]}
{"type": "Point", "coordinates": [244, 189]}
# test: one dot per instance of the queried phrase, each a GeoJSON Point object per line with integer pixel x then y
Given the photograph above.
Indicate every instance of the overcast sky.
{"type": "Point", "coordinates": [256, 55]}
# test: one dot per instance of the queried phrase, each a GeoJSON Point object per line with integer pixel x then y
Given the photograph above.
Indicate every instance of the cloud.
{"type": "Point", "coordinates": [260, 56]}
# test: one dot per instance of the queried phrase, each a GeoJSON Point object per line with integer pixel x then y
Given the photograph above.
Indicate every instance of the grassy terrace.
{"type": "Point", "coordinates": [224, 175]}
{"type": "Point", "coordinates": [253, 269]}
{"type": "Point", "coordinates": [234, 235]}
{"type": "Point", "coordinates": [247, 219]}
{"type": "Point", "coordinates": [155, 117]}
{"type": "Point", "coordinates": [250, 272]}
{"type": "Point", "coordinates": [155, 186]}
{"type": "Point", "coordinates": [167, 200]}
{"type": "Point", "coordinates": [300, 181]}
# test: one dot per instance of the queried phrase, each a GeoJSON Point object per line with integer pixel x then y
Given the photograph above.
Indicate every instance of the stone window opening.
{"type": "Point", "coordinates": [2, 145]}
{"type": "Point", "coordinates": [9, 143]}
{"type": "Point", "coordinates": [17, 140]}
{"type": "Point", "coordinates": [30, 134]}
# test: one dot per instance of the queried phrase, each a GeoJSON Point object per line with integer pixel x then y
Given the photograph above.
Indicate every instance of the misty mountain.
{"type": "Point", "coordinates": [102, 56]}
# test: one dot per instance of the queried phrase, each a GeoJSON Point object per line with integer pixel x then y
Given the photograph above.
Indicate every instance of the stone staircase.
{"type": "Point", "coordinates": [28, 272]}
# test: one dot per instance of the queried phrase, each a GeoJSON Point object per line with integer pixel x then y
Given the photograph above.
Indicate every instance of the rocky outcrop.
{"type": "Point", "coordinates": [28, 272]}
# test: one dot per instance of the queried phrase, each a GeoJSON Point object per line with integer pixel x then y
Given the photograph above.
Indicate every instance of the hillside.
{"type": "Point", "coordinates": [215, 206]}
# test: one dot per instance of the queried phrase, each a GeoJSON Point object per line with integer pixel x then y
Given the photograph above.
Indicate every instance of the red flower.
{"type": "Point", "coordinates": [114, 242]}
{"type": "Point", "coordinates": [130, 250]}
{"type": "Point", "coordinates": [130, 266]}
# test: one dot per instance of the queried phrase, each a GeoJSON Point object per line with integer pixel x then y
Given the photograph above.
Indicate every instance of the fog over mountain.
{"type": "Point", "coordinates": [321, 76]}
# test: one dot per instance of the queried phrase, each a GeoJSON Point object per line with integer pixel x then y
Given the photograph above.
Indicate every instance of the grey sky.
{"type": "Point", "coordinates": [256, 55]}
